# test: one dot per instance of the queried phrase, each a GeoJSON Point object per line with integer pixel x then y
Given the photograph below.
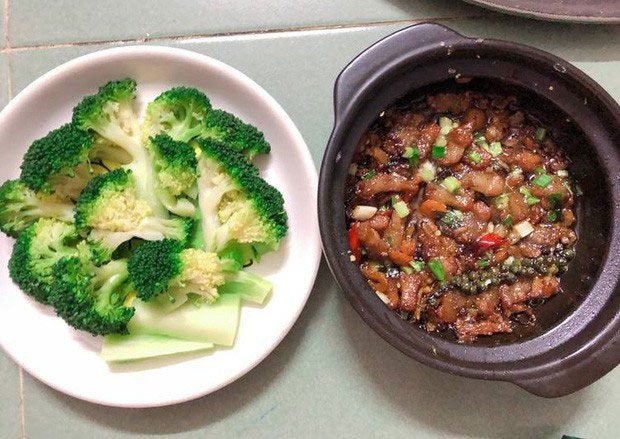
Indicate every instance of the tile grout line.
{"type": "Point", "coordinates": [233, 34]}
{"type": "Point", "coordinates": [22, 411]}
{"type": "Point", "coordinates": [5, 21]}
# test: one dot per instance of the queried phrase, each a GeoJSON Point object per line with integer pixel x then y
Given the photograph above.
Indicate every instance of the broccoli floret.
{"type": "Point", "coordinates": [36, 251]}
{"type": "Point", "coordinates": [55, 155]}
{"type": "Point", "coordinates": [178, 112]}
{"type": "Point", "coordinates": [20, 207]}
{"type": "Point", "coordinates": [228, 128]}
{"type": "Point", "coordinates": [176, 168]}
{"type": "Point", "coordinates": [110, 113]}
{"type": "Point", "coordinates": [110, 212]}
{"type": "Point", "coordinates": [165, 269]}
{"type": "Point", "coordinates": [237, 206]}
{"type": "Point", "coordinates": [90, 298]}
{"type": "Point", "coordinates": [65, 160]}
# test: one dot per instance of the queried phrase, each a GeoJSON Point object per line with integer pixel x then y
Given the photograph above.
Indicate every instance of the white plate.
{"type": "Point", "coordinates": [68, 360]}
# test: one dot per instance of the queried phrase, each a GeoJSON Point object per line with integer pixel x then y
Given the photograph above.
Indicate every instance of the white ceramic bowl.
{"type": "Point", "coordinates": [68, 360]}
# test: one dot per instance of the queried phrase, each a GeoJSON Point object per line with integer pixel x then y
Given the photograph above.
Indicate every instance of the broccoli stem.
{"type": "Point", "coordinates": [51, 209]}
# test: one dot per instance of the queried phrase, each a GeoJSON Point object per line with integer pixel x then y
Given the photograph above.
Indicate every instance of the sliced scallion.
{"type": "Point", "coordinates": [437, 269]}
{"type": "Point", "coordinates": [543, 180]}
{"type": "Point", "coordinates": [452, 184]}
{"type": "Point", "coordinates": [475, 157]}
{"type": "Point", "coordinates": [427, 171]}
{"type": "Point", "coordinates": [445, 124]}
{"type": "Point", "coordinates": [369, 174]}
{"type": "Point", "coordinates": [495, 148]}
{"type": "Point", "coordinates": [400, 207]}
{"type": "Point", "coordinates": [438, 151]}
{"type": "Point", "coordinates": [501, 201]}
{"type": "Point", "coordinates": [540, 134]}
{"type": "Point", "coordinates": [529, 198]}
{"type": "Point", "coordinates": [417, 265]}
{"type": "Point", "coordinates": [441, 140]}
{"type": "Point", "coordinates": [507, 221]}
{"type": "Point", "coordinates": [413, 154]}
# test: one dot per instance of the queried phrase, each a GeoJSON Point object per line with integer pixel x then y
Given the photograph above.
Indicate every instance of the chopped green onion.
{"type": "Point", "coordinates": [441, 140]}
{"type": "Point", "coordinates": [479, 138]}
{"type": "Point", "coordinates": [483, 263]}
{"type": "Point", "coordinates": [369, 174]}
{"type": "Point", "coordinates": [417, 265]}
{"type": "Point", "coordinates": [507, 221]}
{"type": "Point", "coordinates": [452, 184]}
{"type": "Point", "coordinates": [555, 199]}
{"type": "Point", "coordinates": [540, 170]}
{"type": "Point", "coordinates": [529, 198]}
{"type": "Point", "coordinates": [501, 201]}
{"type": "Point", "coordinates": [400, 207]}
{"type": "Point", "coordinates": [452, 218]}
{"type": "Point", "coordinates": [495, 149]}
{"type": "Point", "coordinates": [475, 157]}
{"type": "Point", "coordinates": [553, 216]}
{"type": "Point", "coordinates": [437, 269]}
{"type": "Point", "coordinates": [540, 134]}
{"type": "Point", "coordinates": [445, 124]}
{"type": "Point", "coordinates": [542, 180]}
{"type": "Point", "coordinates": [438, 151]}
{"type": "Point", "coordinates": [407, 270]}
{"type": "Point", "coordinates": [427, 171]}
{"type": "Point", "coordinates": [413, 154]}
{"type": "Point", "coordinates": [408, 152]}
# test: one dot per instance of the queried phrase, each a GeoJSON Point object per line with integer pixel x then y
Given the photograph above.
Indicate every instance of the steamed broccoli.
{"type": "Point", "coordinates": [110, 113]}
{"type": "Point", "coordinates": [65, 160]}
{"type": "Point", "coordinates": [242, 214]}
{"type": "Point", "coordinates": [167, 267]}
{"type": "Point", "coordinates": [176, 168]}
{"type": "Point", "coordinates": [93, 299]}
{"type": "Point", "coordinates": [36, 251]}
{"type": "Point", "coordinates": [110, 212]}
{"type": "Point", "coordinates": [178, 112]}
{"type": "Point", "coordinates": [228, 128]}
{"type": "Point", "coordinates": [20, 207]}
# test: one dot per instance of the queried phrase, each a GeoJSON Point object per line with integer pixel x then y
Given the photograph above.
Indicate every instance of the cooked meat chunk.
{"type": "Point", "coordinates": [380, 183]}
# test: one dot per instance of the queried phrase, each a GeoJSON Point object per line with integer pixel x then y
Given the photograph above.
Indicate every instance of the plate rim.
{"type": "Point", "coordinates": [543, 16]}
{"type": "Point", "coordinates": [315, 246]}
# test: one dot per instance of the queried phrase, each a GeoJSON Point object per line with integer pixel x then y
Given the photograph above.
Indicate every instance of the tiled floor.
{"type": "Point", "coordinates": [332, 376]}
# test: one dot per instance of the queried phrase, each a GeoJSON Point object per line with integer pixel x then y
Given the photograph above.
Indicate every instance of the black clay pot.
{"type": "Point", "coordinates": [576, 338]}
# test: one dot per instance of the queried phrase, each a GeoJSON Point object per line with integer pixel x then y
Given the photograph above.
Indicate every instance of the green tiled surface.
{"type": "Point", "coordinates": [35, 22]}
{"type": "Point", "coordinates": [10, 417]}
{"type": "Point", "coordinates": [332, 376]}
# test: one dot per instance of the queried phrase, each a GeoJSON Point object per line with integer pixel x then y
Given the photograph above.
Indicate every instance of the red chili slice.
{"type": "Point", "coordinates": [354, 242]}
{"type": "Point", "coordinates": [489, 240]}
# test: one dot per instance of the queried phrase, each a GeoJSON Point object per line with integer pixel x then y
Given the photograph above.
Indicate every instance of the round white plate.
{"type": "Point", "coordinates": [68, 360]}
